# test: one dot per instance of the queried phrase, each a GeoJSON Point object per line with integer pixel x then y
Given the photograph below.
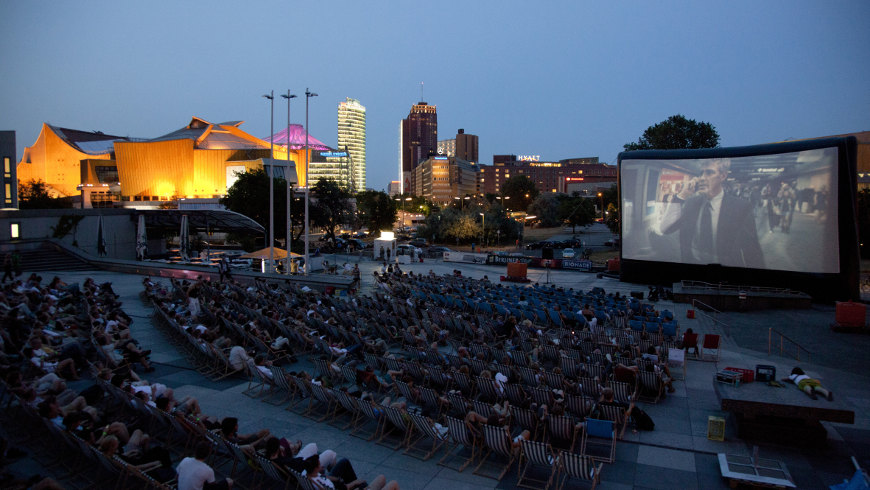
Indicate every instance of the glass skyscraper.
{"type": "Point", "coordinates": [352, 138]}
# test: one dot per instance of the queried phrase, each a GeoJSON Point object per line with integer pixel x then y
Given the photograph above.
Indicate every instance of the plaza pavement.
{"type": "Point", "coordinates": [677, 454]}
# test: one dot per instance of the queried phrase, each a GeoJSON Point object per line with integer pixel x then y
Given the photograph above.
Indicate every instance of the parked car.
{"type": "Point", "coordinates": [436, 252]}
{"type": "Point", "coordinates": [406, 248]}
{"type": "Point", "coordinates": [358, 244]}
{"type": "Point", "coordinates": [419, 242]}
{"type": "Point", "coordinates": [568, 253]}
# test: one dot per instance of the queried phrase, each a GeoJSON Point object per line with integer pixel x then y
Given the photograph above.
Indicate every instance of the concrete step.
{"type": "Point", "coordinates": [49, 259]}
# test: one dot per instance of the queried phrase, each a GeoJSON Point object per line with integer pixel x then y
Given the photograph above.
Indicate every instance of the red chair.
{"type": "Point", "coordinates": [690, 341]}
{"type": "Point", "coordinates": [711, 346]}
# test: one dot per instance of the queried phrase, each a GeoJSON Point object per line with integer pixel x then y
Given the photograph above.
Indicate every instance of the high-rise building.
{"type": "Point", "coordinates": [9, 189]}
{"type": "Point", "coordinates": [561, 176]}
{"type": "Point", "coordinates": [466, 146]}
{"type": "Point", "coordinates": [418, 139]}
{"type": "Point", "coordinates": [447, 148]}
{"type": "Point", "coordinates": [352, 139]}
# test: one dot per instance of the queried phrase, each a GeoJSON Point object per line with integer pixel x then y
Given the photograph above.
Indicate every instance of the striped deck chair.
{"type": "Point", "coordinates": [623, 392]}
{"type": "Point", "coordinates": [561, 431]}
{"type": "Point", "coordinates": [302, 391]}
{"type": "Point", "coordinates": [369, 414]}
{"type": "Point", "coordinates": [527, 376]}
{"type": "Point", "coordinates": [599, 440]}
{"type": "Point", "coordinates": [304, 482]}
{"type": "Point", "coordinates": [428, 430]}
{"type": "Point", "coordinates": [588, 386]}
{"type": "Point", "coordinates": [496, 440]}
{"type": "Point", "coordinates": [477, 366]}
{"type": "Point", "coordinates": [458, 404]}
{"type": "Point", "coordinates": [536, 454]}
{"type": "Point", "coordinates": [325, 397]}
{"type": "Point", "coordinates": [570, 365]}
{"type": "Point", "coordinates": [482, 408]}
{"type": "Point", "coordinates": [324, 369]}
{"type": "Point", "coordinates": [460, 438]}
{"type": "Point", "coordinates": [405, 391]}
{"type": "Point", "coordinates": [652, 386]}
{"type": "Point", "coordinates": [464, 383]}
{"type": "Point", "coordinates": [351, 406]}
{"type": "Point", "coordinates": [272, 472]}
{"type": "Point", "coordinates": [515, 393]}
{"type": "Point", "coordinates": [398, 422]}
{"type": "Point", "coordinates": [373, 361]}
{"type": "Point", "coordinates": [554, 380]}
{"type": "Point", "coordinates": [282, 385]}
{"type": "Point", "coordinates": [431, 402]}
{"type": "Point", "coordinates": [525, 419]}
{"type": "Point", "coordinates": [349, 374]}
{"type": "Point", "coordinates": [487, 389]}
{"type": "Point", "coordinates": [541, 396]}
{"type": "Point", "coordinates": [580, 467]}
{"type": "Point", "coordinates": [580, 406]}
{"type": "Point", "coordinates": [617, 414]}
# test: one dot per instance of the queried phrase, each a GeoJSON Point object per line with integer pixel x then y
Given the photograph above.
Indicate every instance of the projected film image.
{"type": "Point", "coordinates": [776, 212]}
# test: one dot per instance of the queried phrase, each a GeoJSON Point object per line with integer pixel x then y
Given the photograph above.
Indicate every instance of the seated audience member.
{"type": "Point", "coordinates": [342, 476]}
{"type": "Point", "coordinates": [248, 442]}
{"type": "Point", "coordinates": [293, 455]}
{"type": "Point", "coordinates": [195, 474]}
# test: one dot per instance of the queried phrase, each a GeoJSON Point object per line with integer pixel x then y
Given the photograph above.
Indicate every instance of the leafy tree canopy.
{"type": "Point", "coordinates": [250, 196]}
{"type": "Point", "coordinates": [521, 190]}
{"type": "Point", "coordinates": [675, 133]}
{"type": "Point", "coordinates": [546, 208]}
{"type": "Point", "coordinates": [377, 211]}
{"type": "Point", "coordinates": [332, 206]}
{"type": "Point", "coordinates": [576, 210]}
{"type": "Point", "coordinates": [34, 195]}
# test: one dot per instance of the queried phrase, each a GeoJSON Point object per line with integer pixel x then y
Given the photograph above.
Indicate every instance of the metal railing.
{"type": "Point", "coordinates": [738, 288]}
{"type": "Point", "coordinates": [714, 317]}
{"type": "Point", "coordinates": [784, 342]}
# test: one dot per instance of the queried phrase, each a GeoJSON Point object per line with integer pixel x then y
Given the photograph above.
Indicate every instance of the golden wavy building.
{"type": "Point", "coordinates": [198, 161]}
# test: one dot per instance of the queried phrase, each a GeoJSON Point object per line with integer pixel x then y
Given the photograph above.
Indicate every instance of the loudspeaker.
{"type": "Point", "coordinates": [547, 253]}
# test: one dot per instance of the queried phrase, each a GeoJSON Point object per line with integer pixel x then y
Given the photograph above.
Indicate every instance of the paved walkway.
{"type": "Point", "coordinates": [676, 455]}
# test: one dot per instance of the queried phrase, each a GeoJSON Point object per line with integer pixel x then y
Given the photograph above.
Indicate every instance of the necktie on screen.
{"type": "Point", "coordinates": [705, 243]}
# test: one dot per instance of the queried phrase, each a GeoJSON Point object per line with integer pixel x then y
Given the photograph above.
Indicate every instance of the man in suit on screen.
{"type": "Point", "coordinates": [715, 228]}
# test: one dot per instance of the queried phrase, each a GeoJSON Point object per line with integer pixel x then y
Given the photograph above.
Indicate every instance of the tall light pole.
{"type": "Point", "coordinates": [289, 186]}
{"type": "Point", "coordinates": [601, 198]}
{"type": "Point", "coordinates": [271, 98]}
{"type": "Point", "coordinates": [483, 231]}
{"type": "Point", "coordinates": [308, 95]}
{"type": "Point", "coordinates": [403, 209]}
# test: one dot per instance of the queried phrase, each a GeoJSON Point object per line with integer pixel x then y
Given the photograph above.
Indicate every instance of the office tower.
{"type": "Point", "coordinates": [466, 146]}
{"type": "Point", "coordinates": [447, 148]}
{"type": "Point", "coordinates": [418, 139]}
{"type": "Point", "coordinates": [352, 139]}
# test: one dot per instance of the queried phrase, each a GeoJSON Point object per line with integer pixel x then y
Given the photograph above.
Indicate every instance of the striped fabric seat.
{"type": "Point", "coordinates": [497, 441]}
{"type": "Point", "coordinates": [577, 466]}
{"type": "Point", "coordinates": [536, 454]}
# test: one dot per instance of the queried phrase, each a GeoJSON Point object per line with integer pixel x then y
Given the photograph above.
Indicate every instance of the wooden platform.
{"type": "Point", "coordinates": [783, 415]}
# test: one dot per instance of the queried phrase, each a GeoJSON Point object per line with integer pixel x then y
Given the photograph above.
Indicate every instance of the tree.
{"type": "Point", "coordinates": [331, 208]}
{"type": "Point", "coordinates": [463, 229]}
{"type": "Point", "coordinates": [249, 196]}
{"type": "Point", "coordinates": [546, 208]}
{"type": "Point", "coordinates": [611, 204]}
{"type": "Point", "coordinates": [377, 210]}
{"type": "Point", "coordinates": [34, 195]}
{"type": "Point", "coordinates": [521, 190]}
{"type": "Point", "coordinates": [676, 133]}
{"type": "Point", "coordinates": [576, 210]}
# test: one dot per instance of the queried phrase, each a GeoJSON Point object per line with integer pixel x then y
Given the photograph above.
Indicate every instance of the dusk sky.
{"type": "Point", "coordinates": [557, 79]}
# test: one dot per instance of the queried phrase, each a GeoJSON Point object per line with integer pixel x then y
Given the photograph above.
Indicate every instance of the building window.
{"type": "Point", "coordinates": [15, 230]}
{"type": "Point", "coordinates": [7, 166]}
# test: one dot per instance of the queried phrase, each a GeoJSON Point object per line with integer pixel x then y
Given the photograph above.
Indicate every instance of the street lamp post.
{"type": "Point", "coordinates": [403, 209]}
{"type": "Point", "coordinates": [483, 231]}
{"type": "Point", "coordinates": [289, 186]}
{"type": "Point", "coordinates": [271, 98]}
{"type": "Point", "coordinates": [601, 198]}
{"type": "Point", "coordinates": [308, 95]}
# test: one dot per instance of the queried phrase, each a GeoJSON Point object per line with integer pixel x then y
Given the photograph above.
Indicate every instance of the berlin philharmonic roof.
{"type": "Point", "coordinates": [90, 142]}
{"type": "Point", "coordinates": [297, 139]}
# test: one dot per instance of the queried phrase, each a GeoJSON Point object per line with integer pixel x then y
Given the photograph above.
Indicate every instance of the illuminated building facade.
{"type": "Point", "coordinates": [9, 184]}
{"type": "Point", "coordinates": [197, 161]}
{"type": "Point", "coordinates": [395, 188]}
{"type": "Point", "coordinates": [446, 148]}
{"type": "Point", "coordinates": [547, 176]}
{"type": "Point", "coordinates": [352, 139]}
{"type": "Point", "coordinates": [441, 178]}
{"type": "Point", "coordinates": [418, 139]}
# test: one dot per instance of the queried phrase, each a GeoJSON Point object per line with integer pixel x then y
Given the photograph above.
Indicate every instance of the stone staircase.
{"type": "Point", "coordinates": [48, 258]}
